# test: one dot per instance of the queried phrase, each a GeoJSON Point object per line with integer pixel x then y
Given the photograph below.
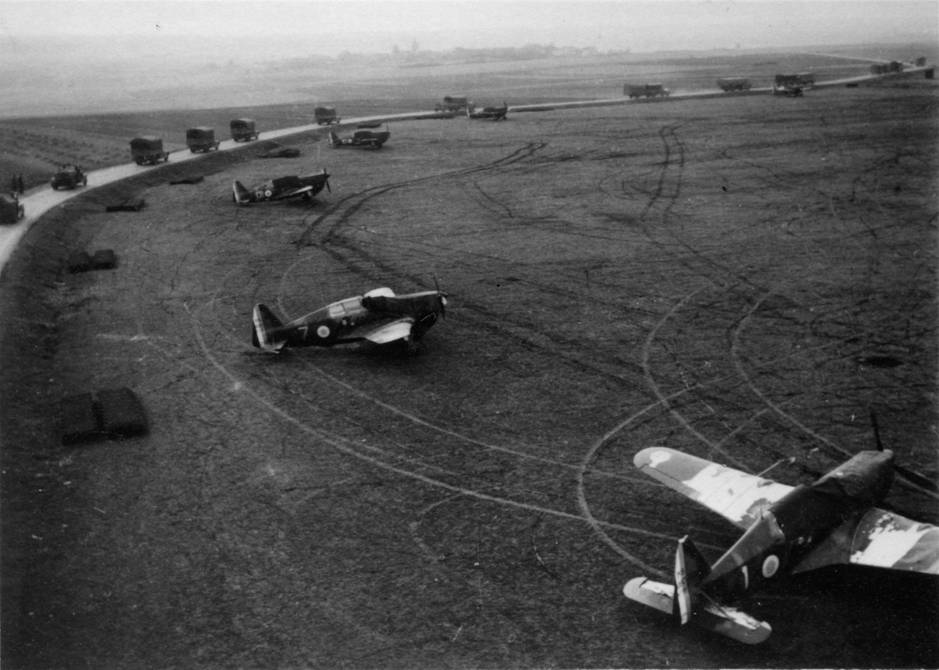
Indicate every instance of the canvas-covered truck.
{"type": "Point", "coordinates": [11, 209]}
{"type": "Point", "coordinates": [728, 84]}
{"type": "Point", "coordinates": [454, 104]}
{"type": "Point", "coordinates": [243, 130]}
{"type": "Point", "coordinates": [148, 150]}
{"type": "Point", "coordinates": [326, 116]}
{"type": "Point", "coordinates": [645, 91]}
{"type": "Point", "coordinates": [201, 139]}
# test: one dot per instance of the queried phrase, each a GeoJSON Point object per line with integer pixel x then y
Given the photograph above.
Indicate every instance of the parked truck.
{"type": "Point", "coordinates": [645, 90]}
{"type": "Point", "coordinates": [148, 150]}
{"type": "Point", "coordinates": [454, 104]}
{"type": "Point", "coordinates": [728, 84]}
{"type": "Point", "coordinates": [201, 139]}
{"type": "Point", "coordinates": [326, 116]}
{"type": "Point", "coordinates": [243, 130]}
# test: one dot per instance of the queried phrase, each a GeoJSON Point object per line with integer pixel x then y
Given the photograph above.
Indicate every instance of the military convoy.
{"type": "Point", "coordinates": [887, 68]}
{"type": "Point", "coordinates": [645, 91]}
{"type": "Point", "coordinates": [148, 150]}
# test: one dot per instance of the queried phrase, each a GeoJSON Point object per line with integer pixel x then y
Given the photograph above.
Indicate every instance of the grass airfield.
{"type": "Point", "coordinates": [739, 278]}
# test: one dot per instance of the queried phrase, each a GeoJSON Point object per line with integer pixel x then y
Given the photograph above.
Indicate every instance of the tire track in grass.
{"type": "Point", "coordinates": [786, 416]}
{"type": "Point", "coordinates": [375, 459]}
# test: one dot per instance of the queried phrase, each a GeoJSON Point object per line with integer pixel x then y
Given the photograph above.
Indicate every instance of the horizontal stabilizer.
{"type": "Point", "coordinates": [727, 621]}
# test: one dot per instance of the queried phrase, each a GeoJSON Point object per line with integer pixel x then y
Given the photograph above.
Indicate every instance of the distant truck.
{"type": "Point", "coordinates": [728, 84]}
{"type": "Point", "coordinates": [243, 130]}
{"type": "Point", "coordinates": [326, 116]}
{"type": "Point", "coordinates": [789, 84]}
{"type": "Point", "coordinates": [455, 104]}
{"type": "Point", "coordinates": [11, 210]}
{"type": "Point", "coordinates": [201, 139]}
{"type": "Point", "coordinates": [148, 150]}
{"type": "Point", "coordinates": [645, 90]}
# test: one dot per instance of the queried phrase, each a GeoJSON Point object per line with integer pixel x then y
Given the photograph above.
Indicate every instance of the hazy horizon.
{"type": "Point", "coordinates": [305, 28]}
{"type": "Point", "coordinates": [87, 55]}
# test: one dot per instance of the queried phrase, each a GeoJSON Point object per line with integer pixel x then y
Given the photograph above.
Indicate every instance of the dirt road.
{"type": "Point", "coordinates": [738, 279]}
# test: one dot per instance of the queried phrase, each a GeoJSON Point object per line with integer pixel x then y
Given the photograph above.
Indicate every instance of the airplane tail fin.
{"type": "Point", "coordinates": [239, 193]}
{"type": "Point", "coordinates": [686, 602]}
{"type": "Point", "coordinates": [266, 326]}
{"type": "Point", "coordinates": [690, 569]}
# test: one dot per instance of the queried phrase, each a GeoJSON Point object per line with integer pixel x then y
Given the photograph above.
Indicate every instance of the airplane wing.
{"type": "Point", "coordinates": [293, 193]}
{"type": "Point", "coordinates": [737, 496]}
{"type": "Point", "coordinates": [879, 539]}
{"type": "Point", "coordinates": [387, 332]}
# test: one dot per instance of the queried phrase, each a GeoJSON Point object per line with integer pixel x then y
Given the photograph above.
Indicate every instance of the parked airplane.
{"type": "Point", "coordinates": [493, 113]}
{"type": "Point", "coordinates": [379, 317]}
{"type": "Point", "coordinates": [281, 188]}
{"type": "Point", "coordinates": [787, 530]}
{"type": "Point", "coordinates": [365, 139]}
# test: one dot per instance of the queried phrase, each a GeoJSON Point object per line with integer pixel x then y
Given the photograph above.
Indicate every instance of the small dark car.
{"type": "Point", "coordinates": [69, 176]}
{"type": "Point", "coordinates": [11, 210]}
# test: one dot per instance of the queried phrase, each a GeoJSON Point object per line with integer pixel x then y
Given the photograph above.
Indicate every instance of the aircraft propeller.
{"type": "Point", "coordinates": [911, 476]}
{"type": "Point", "coordinates": [443, 298]}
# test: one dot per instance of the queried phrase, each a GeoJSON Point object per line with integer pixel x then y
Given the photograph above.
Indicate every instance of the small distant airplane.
{"type": "Point", "coordinates": [365, 139]}
{"type": "Point", "coordinates": [379, 317]}
{"type": "Point", "coordinates": [281, 188]}
{"type": "Point", "coordinates": [493, 113]}
{"type": "Point", "coordinates": [787, 530]}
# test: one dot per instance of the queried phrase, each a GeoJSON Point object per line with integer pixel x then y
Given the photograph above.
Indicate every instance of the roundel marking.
{"type": "Point", "coordinates": [267, 193]}
{"type": "Point", "coordinates": [770, 565]}
{"type": "Point", "coordinates": [323, 331]}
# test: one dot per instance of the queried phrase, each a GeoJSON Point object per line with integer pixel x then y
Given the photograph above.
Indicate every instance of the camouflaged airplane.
{"type": "Point", "coordinates": [281, 188]}
{"type": "Point", "coordinates": [787, 530]}
{"type": "Point", "coordinates": [379, 317]}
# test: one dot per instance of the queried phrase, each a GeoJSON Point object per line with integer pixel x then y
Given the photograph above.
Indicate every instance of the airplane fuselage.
{"type": "Point", "coordinates": [331, 324]}
{"type": "Point", "coordinates": [789, 528]}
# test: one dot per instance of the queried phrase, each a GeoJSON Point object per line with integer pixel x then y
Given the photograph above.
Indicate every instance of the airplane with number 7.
{"type": "Point", "coordinates": [379, 317]}
{"type": "Point", "coordinates": [787, 530]}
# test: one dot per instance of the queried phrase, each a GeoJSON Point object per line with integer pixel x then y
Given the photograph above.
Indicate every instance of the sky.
{"type": "Point", "coordinates": [332, 26]}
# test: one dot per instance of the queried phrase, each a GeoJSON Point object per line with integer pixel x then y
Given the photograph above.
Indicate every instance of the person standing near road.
{"type": "Point", "coordinates": [13, 184]}
{"type": "Point", "coordinates": [19, 183]}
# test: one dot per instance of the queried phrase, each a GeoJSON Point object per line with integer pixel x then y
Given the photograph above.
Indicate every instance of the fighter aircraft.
{"type": "Point", "coordinates": [786, 531]}
{"type": "Point", "coordinates": [493, 113]}
{"type": "Point", "coordinates": [281, 188]}
{"type": "Point", "coordinates": [365, 139]}
{"type": "Point", "coordinates": [379, 317]}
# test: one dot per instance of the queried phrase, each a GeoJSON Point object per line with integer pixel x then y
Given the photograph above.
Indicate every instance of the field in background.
{"type": "Point", "coordinates": [279, 94]}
